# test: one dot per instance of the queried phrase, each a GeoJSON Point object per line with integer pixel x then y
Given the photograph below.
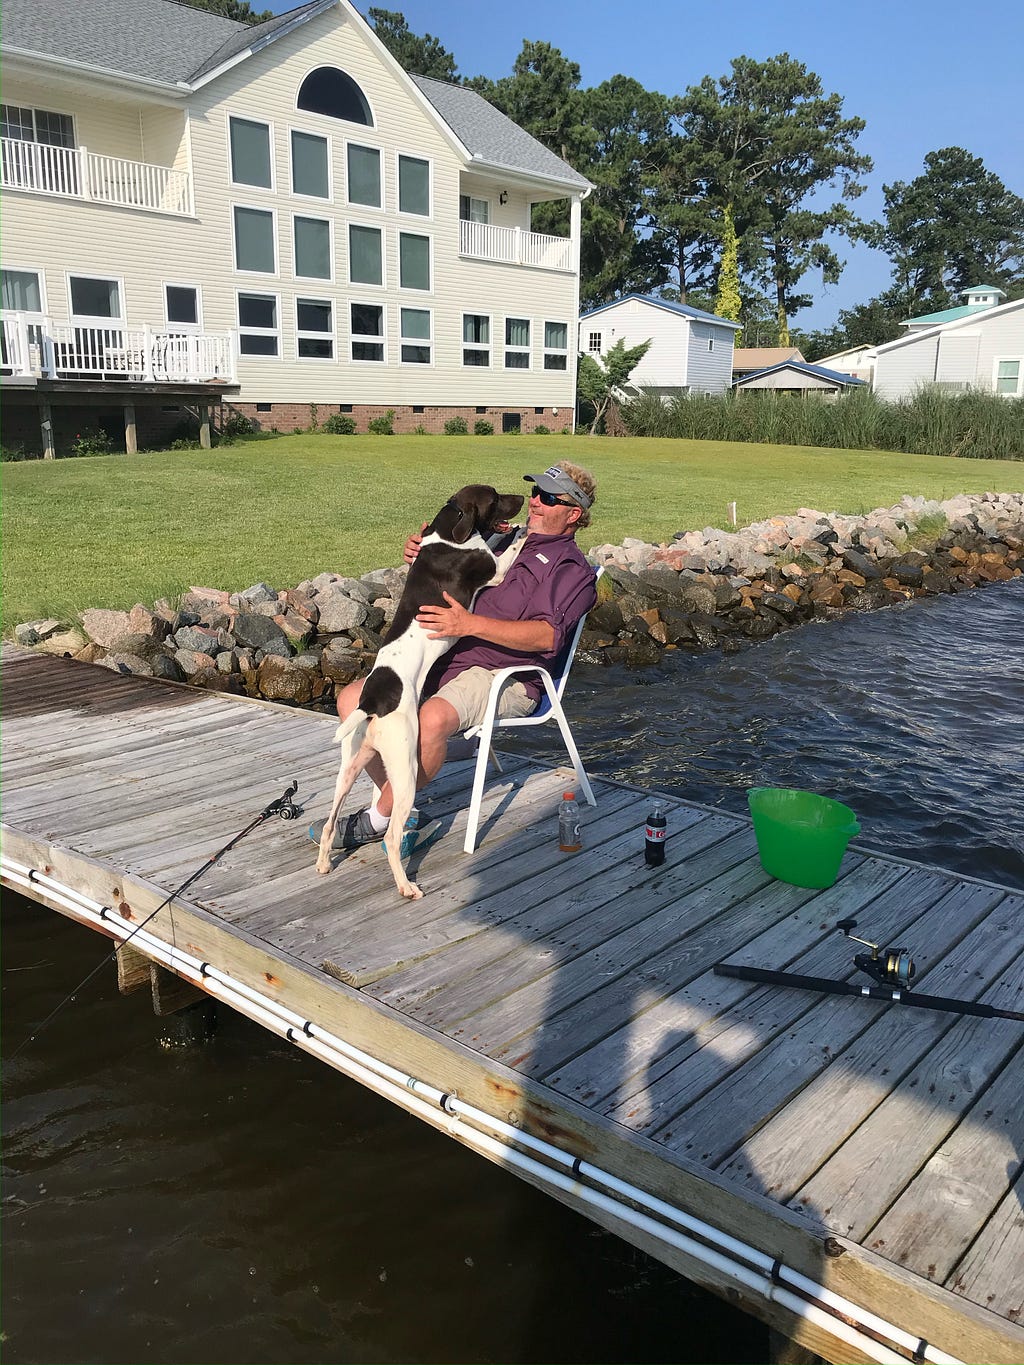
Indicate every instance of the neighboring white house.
{"type": "Point", "coordinates": [982, 348]}
{"type": "Point", "coordinates": [196, 207]}
{"type": "Point", "coordinates": [691, 351]}
{"type": "Point", "coordinates": [857, 361]}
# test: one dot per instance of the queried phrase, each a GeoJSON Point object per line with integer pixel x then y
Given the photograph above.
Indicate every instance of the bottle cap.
{"type": "Point", "coordinates": [568, 796]}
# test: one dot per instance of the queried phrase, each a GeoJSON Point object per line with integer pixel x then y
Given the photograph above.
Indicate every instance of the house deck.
{"type": "Point", "coordinates": [873, 1148]}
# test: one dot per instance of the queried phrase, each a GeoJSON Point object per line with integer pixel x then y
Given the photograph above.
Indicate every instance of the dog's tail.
{"type": "Point", "coordinates": [355, 725]}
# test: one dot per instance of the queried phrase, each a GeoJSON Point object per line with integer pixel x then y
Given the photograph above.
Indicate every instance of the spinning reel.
{"type": "Point", "coordinates": [284, 806]}
{"type": "Point", "coordinates": [887, 966]}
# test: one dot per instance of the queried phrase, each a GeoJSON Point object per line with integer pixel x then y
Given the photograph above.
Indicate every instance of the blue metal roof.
{"type": "Point", "coordinates": [818, 371]}
{"type": "Point", "coordinates": [681, 308]}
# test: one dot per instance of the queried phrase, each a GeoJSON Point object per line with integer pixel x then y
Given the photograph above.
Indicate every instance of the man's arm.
{"type": "Point", "coordinates": [531, 637]}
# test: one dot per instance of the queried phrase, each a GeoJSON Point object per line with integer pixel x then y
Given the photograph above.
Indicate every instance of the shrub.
{"type": "Point", "coordinates": [419, 430]}
{"type": "Point", "coordinates": [482, 427]}
{"type": "Point", "coordinates": [456, 426]}
{"type": "Point", "coordinates": [91, 441]}
{"type": "Point", "coordinates": [184, 443]}
{"type": "Point", "coordinates": [314, 413]}
{"type": "Point", "coordinates": [338, 424]}
{"type": "Point", "coordinates": [236, 425]}
{"type": "Point", "coordinates": [512, 431]}
{"type": "Point", "coordinates": [382, 426]}
{"type": "Point", "coordinates": [542, 431]}
{"type": "Point", "coordinates": [15, 452]}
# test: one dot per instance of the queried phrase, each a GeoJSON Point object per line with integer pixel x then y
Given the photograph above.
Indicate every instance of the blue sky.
{"type": "Point", "coordinates": [923, 74]}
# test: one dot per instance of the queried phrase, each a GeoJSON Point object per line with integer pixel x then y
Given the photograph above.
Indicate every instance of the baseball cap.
{"type": "Point", "coordinates": [556, 480]}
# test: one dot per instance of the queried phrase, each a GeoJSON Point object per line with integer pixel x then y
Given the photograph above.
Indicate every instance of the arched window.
{"type": "Point", "coordinates": [330, 91]}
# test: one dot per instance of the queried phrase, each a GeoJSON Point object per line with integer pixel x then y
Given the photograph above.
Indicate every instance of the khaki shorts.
{"type": "Point", "coordinates": [468, 693]}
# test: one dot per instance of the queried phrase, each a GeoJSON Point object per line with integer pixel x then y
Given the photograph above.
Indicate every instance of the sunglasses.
{"type": "Point", "coordinates": [549, 499]}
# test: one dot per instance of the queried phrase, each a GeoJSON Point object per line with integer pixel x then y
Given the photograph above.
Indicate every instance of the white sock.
{"type": "Point", "coordinates": [378, 821]}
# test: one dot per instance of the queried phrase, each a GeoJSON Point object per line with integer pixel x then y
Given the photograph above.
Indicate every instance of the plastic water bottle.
{"type": "Point", "coordinates": [569, 838]}
{"type": "Point", "coordinates": [654, 836]}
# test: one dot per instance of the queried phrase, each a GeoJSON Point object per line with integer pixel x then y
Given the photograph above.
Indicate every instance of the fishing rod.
{"type": "Point", "coordinates": [892, 968]}
{"type": "Point", "coordinates": [284, 807]}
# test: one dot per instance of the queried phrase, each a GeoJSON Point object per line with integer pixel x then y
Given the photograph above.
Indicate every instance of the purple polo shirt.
{"type": "Point", "coordinates": [549, 581]}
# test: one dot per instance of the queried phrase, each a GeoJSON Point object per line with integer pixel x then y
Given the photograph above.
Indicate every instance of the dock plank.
{"type": "Point", "coordinates": [992, 1270]}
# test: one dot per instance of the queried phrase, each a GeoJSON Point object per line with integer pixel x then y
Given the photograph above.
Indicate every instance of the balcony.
{"type": "Point", "coordinates": [77, 173]}
{"type": "Point", "coordinates": [34, 348]}
{"type": "Point", "coordinates": [513, 246]}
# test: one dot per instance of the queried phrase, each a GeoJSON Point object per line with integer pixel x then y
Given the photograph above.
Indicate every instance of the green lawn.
{"type": "Point", "coordinates": [114, 530]}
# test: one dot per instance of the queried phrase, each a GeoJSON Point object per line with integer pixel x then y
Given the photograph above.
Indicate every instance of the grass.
{"type": "Point", "coordinates": [114, 530]}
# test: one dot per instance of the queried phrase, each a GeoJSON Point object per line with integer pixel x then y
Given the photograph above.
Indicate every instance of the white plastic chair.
{"type": "Point", "coordinates": [548, 708]}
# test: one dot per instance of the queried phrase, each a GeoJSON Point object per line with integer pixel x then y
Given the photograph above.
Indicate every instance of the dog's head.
{"type": "Point", "coordinates": [477, 507]}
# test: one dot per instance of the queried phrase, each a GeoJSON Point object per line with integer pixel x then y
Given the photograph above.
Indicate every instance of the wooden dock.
{"type": "Point", "coordinates": [872, 1149]}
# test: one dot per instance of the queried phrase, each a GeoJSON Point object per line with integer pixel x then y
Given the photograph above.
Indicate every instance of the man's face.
{"type": "Point", "coordinates": [552, 521]}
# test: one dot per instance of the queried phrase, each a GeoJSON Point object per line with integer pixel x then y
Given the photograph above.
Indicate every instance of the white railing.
{"type": "Point", "coordinates": [77, 173]}
{"type": "Point", "coordinates": [513, 246]}
{"type": "Point", "coordinates": [34, 348]}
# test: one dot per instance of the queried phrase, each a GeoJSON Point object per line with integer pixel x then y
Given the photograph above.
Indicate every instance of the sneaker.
{"type": "Point", "coordinates": [351, 832]}
{"type": "Point", "coordinates": [417, 837]}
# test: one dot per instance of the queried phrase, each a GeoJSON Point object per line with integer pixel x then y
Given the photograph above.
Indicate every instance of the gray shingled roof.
{"type": "Point", "coordinates": [164, 40]}
{"type": "Point", "coordinates": [158, 40]}
{"type": "Point", "coordinates": [491, 136]}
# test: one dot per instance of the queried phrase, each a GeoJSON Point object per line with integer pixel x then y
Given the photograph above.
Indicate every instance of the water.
{"type": "Point", "coordinates": [237, 1202]}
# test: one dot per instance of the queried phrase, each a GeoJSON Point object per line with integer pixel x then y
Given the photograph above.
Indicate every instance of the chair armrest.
{"type": "Point", "coordinates": [502, 675]}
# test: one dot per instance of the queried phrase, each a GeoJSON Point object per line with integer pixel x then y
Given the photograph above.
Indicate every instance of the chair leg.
{"type": "Point", "coordinates": [494, 758]}
{"type": "Point", "coordinates": [480, 773]}
{"type": "Point", "coordinates": [581, 773]}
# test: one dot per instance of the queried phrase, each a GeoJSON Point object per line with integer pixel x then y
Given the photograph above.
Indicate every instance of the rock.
{"type": "Point", "coordinates": [296, 627]}
{"type": "Point", "coordinates": [31, 632]}
{"type": "Point", "coordinates": [255, 596]}
{"type": "Point", "coordinates": [165, 667]}
{"type": "Point", "coordinates": [861, 564]}
{"type": "Point", "coordinates": [91, 654]}
{"type": "Point", "coordinates": [127, 663]}
{"type": "Point", "coordinates": [606, 616]}
{"type": "Point", "coordinates": [697, 597]}
{"type": "Point", "coordinates": [910, 575]}
{"type": "Point", "coordinates": [202, 638]}
{"type": "Point", "coordinates": [63, 642]}
{"type": "Point", "coordinates": [142, 621]}
{"type": "Point", "coordinates": [193, 661]}
{"type": "Point", "coordinates": [226, 661]}
{"type": "Point", "coordinates": [339, 611]}
{"type": "Point", "coordinates": [201, 600]}
{"type": "Point", "coordinates": [341, 663]}
{"type": "Point", "coordinates": [704, 629]}
{"type": "Point", "coordinates": [105, 626]}
{"type": "Point", "coordinates": [779, 602]}
{"type": "Point", "coordinates": [301, 604]}
{"type": "Point", "coordinates": [391, 580]}
{"type": "Point", "coordinates": [260, 632]}
{"type": "Point", "coordinates": [133, 642]}
{"type": "Point", "coordinates": [279, 680]}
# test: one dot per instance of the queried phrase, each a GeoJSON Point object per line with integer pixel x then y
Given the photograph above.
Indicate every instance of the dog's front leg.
{"type": "Point", "coordinates": [397, 737]}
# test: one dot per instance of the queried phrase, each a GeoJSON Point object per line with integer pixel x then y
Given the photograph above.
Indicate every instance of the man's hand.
{"type": "Point", "coordinates": [412, 545]}
{"type": "Point", "coordinates": [450, 621]}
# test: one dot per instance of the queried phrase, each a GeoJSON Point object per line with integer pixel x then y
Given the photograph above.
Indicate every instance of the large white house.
{"type": "Point", "coordinates": [979, 345]}
{"type": "Point", "coordinates": [691, 351]}
{"type": "Point", "coordinates": [278, 214]}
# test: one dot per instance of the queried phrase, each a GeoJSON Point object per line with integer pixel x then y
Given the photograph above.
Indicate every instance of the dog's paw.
{"type": "Point", "coordinates": [411, 891]}
{"type": "Point", "coordinates": [323, 865]}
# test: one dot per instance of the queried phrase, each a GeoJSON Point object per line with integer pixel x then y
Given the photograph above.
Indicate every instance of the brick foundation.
{"type": "Point", "coordinates": [287, 417]}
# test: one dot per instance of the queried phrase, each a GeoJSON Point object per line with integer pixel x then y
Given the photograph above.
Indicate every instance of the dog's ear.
{"type": "Point", "coordinates": [509, 506]}
{"type": "Point", "coordinates": [456, 520]}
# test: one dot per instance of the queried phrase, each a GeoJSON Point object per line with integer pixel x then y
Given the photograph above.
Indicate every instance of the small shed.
{"type": "Point", "coordinates": [794, 376]}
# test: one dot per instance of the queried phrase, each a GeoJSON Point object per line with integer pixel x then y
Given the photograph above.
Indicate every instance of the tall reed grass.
{"type": "Point", "coordinates": [972, 425]}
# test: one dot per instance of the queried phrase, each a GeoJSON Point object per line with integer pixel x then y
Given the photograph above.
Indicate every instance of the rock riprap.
{"type": "Point", "coordinates": [703, 590]}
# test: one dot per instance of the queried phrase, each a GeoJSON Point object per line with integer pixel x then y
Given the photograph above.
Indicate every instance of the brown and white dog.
{"type": "Point", "coordinates": [453, 558]}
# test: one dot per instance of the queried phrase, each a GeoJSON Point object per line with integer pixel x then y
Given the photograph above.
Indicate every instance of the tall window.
{"type": "Point", "coordinates": [313, 248]}
{"type": "Point", "coordinates": [310, 173]}
{"type": "Point", "coordinates": [476, 339]}
{"type": "Point", "coordinates": [93, 297]}
{"type": "Point", "coordinates": [1008, 374]}
{"type": "Point", "coordinates": [415, 336]}
{"type": "Point", "coordinates": [250, 153]}
{"type": "Point", "coordinates": [517, 343]}
{"type": "Point", "coordinates": [364, 176]}
{"type": "Point", "coordinates": [258, 331]}
{"type": "Point", "coordinates": [367, 332]}
{"type": "Point", "coordinates": [36, 125]}
{"type": "Point", "coordinates": [413, 261]}
{"type": "Point", "coordinates": [334, 93]}
{"type": "Point", "coordinates": [254, 240]}
{"type": "Point", "coordinates": [365, 259]}
{"type": "Point", "coordinates": [413, 185]}
{"type": "Point", "coordinates": [556, 345]}
{"type": "Point", "coordinates": [314, 329]}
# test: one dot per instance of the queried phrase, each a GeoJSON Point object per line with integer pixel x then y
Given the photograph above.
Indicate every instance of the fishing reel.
{"type": "Point", "coordinates": [284, 806]}
{"type": "Point", "coordinates": [887, 966]}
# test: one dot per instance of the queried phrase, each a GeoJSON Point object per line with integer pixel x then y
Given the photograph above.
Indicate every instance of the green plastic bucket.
{"type": "Point", "coordinates": [801, 837]}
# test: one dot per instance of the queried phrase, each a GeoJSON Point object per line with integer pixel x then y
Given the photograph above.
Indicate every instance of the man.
{"type": "Point", "coordinates": [542, 588]}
